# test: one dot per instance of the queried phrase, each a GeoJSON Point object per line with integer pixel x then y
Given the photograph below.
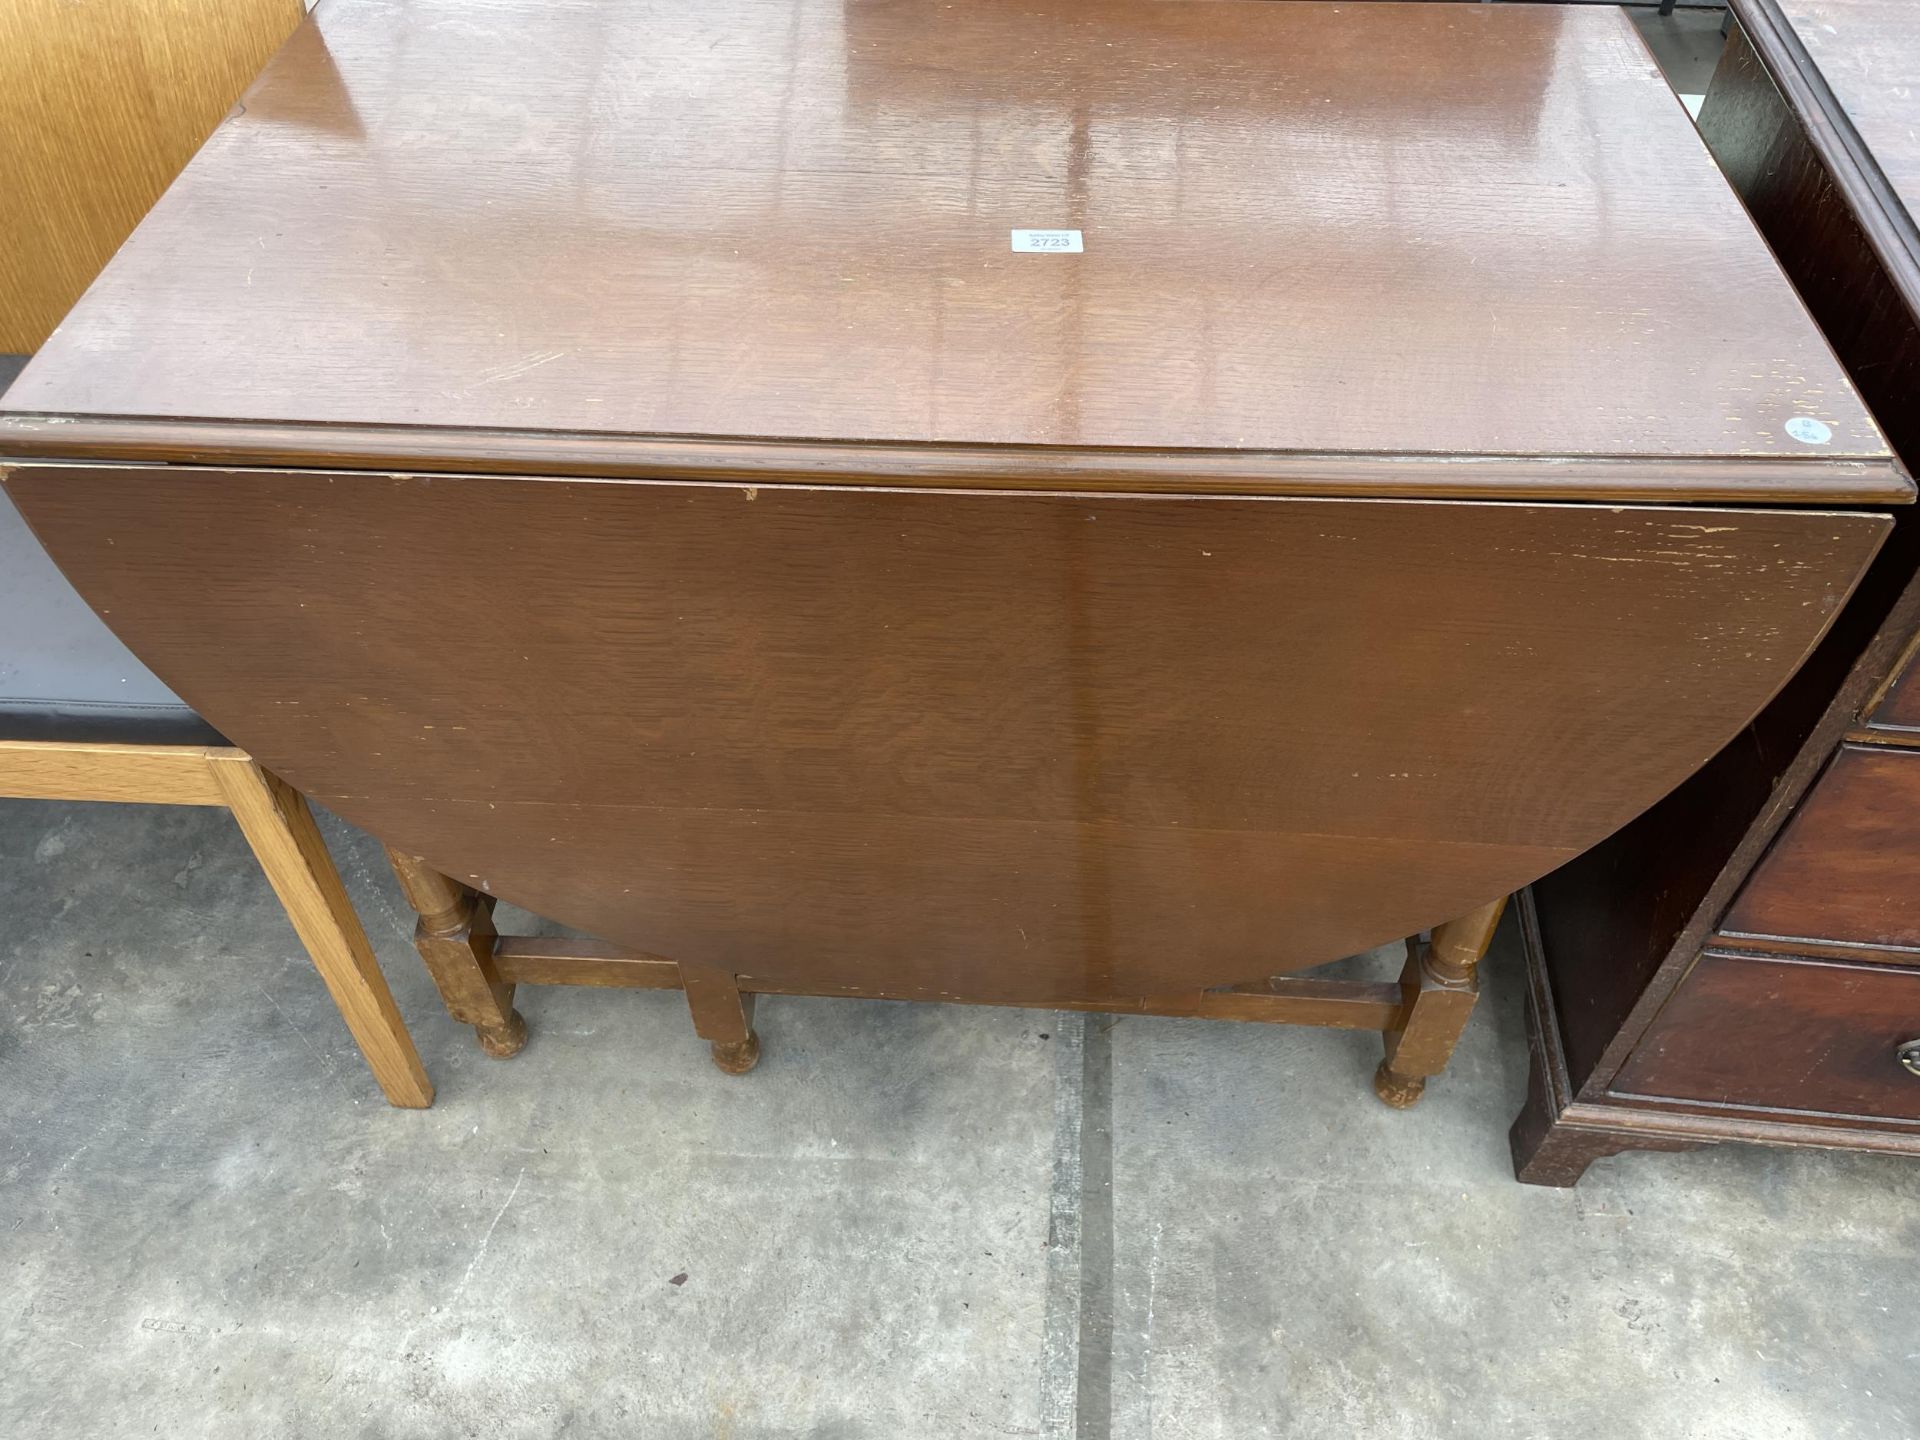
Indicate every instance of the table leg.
{"type": "Point", "coordinates": [280, 828]}
{"type": "Point", "coordinates": [723, 1016]}
{"type": "Point", "coordinates": [1441, 983]}
{"type": "Point", "coordinates": [455, 937]}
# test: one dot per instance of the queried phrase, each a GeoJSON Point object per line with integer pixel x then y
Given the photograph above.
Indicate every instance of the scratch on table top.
{"type": "Point", "coordinates": [516, 368]}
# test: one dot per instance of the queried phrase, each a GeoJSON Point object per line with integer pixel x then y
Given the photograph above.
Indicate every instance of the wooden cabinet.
{"type": "Point", "coordinates": [1743, 962]}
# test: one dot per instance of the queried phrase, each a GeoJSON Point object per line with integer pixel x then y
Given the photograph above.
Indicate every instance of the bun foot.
{"type": "Point", "coordinates": [740, 1057]}
{"type": "Point", "coordinates": [1399, 1091]}
{"type": "Point", "coordinates": [504, 1041]}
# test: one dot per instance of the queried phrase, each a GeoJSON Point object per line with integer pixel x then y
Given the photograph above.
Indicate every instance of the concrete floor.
{"type": "Point", "coordinates": [910, 1221]}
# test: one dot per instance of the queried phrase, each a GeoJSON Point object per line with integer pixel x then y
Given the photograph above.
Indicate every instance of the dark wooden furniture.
{"type": "Point", "coordinates": [623, 459]}
{"type": "Point", "coordinates": [81, 719]}
{"type": "Point", "coordinates": [1743, 963]}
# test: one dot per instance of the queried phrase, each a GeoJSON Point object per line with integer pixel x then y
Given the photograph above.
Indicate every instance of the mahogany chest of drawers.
{"type": "Point", "coordinates": [1743, 962]}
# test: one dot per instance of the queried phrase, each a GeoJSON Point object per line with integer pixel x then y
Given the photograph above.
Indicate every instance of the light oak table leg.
{"type": "Point", "coordinates": [280, 828]}
{"type": "Point", "coordinates": [455, 937]}
{"type": "Point", "coordinates": [1441, 983]}
{"type": "Point", "coordinates": [723, 1016]}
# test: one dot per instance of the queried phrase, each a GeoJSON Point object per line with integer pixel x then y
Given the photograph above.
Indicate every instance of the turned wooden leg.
{"type": "Point", "coordinates": [278, 825]}
{"type": "Point", "coordinates": [1441, 983]}
{"type": "Point", "coordinates": [455, 937]}
{"type": "Point", "coordinates": [722, 1016]}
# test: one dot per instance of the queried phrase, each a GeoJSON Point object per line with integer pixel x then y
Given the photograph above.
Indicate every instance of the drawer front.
{"type": "Point", "coordinates": [1897, 709]}
{"type": "Point", "coordinates": [1846, 869]}
{"type": "Point", "coordinates": [1782, 1033]}
{"type": "Point", "coordinates": [1785, 1034]}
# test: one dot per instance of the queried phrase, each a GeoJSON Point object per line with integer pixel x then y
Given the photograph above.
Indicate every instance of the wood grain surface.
{"type": "Point", "coordinates": [127, 774]}
{"type": "Point", "coordinates": [281, 831]}
{"type": "Point", "coordinates": [1789, 1035]}
{"type": "Point", "coordinates": [1028, 746]}
{"type": "Point", "coordinates": [101, 103]}
{"type": "Point", "coordinates": [1369, 229]}
{"type": "Point", "coordinates": [1847, 867]}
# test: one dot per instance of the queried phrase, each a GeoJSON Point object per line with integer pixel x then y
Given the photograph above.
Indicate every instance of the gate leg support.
{"type": "Point", "coordinates": [723, 1016]}
{"type": "Point", "coordinates": [455, 937]}
{"type": "Point", "coordinates": [1441, 983]}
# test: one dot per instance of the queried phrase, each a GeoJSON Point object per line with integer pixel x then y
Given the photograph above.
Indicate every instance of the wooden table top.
{"type": "Point", "coordinates": [1851, 70]}
{"type": "Point", "coordinates": [1381, 237]}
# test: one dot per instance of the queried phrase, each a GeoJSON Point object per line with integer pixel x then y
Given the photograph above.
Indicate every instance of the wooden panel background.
{"type": "Point", "coordinates": [101, 103]}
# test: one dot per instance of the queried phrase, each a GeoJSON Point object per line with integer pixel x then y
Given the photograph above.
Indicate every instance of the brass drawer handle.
{"type": "Point", "coordinates": [1909, 1055]}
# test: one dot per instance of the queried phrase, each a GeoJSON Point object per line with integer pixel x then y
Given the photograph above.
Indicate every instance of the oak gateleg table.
{"type": "Point", "coordinates": [1103, 505]}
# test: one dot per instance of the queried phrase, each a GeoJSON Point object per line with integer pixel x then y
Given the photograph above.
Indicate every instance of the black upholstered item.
{"type": "Point", "coordinates": [63, 675]}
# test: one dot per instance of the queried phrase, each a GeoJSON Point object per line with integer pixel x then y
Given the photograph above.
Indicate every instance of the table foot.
{"type": "Point", "coordinates": [723, 1015]}
{"type": "Point", "coordinates": [1439, 987]}
{"type": "Point", "coordinates": [1399, 1091]}
{"type": "Point", "coordinates": [503, 1042]}
{"type": "Point", "coordinates": [455, 936]}
{"type": "Point", "coordinates": [737, 1057]}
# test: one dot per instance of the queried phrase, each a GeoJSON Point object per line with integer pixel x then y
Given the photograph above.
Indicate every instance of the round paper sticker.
{"type": "Point", "coordinates": [1809, 431]}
